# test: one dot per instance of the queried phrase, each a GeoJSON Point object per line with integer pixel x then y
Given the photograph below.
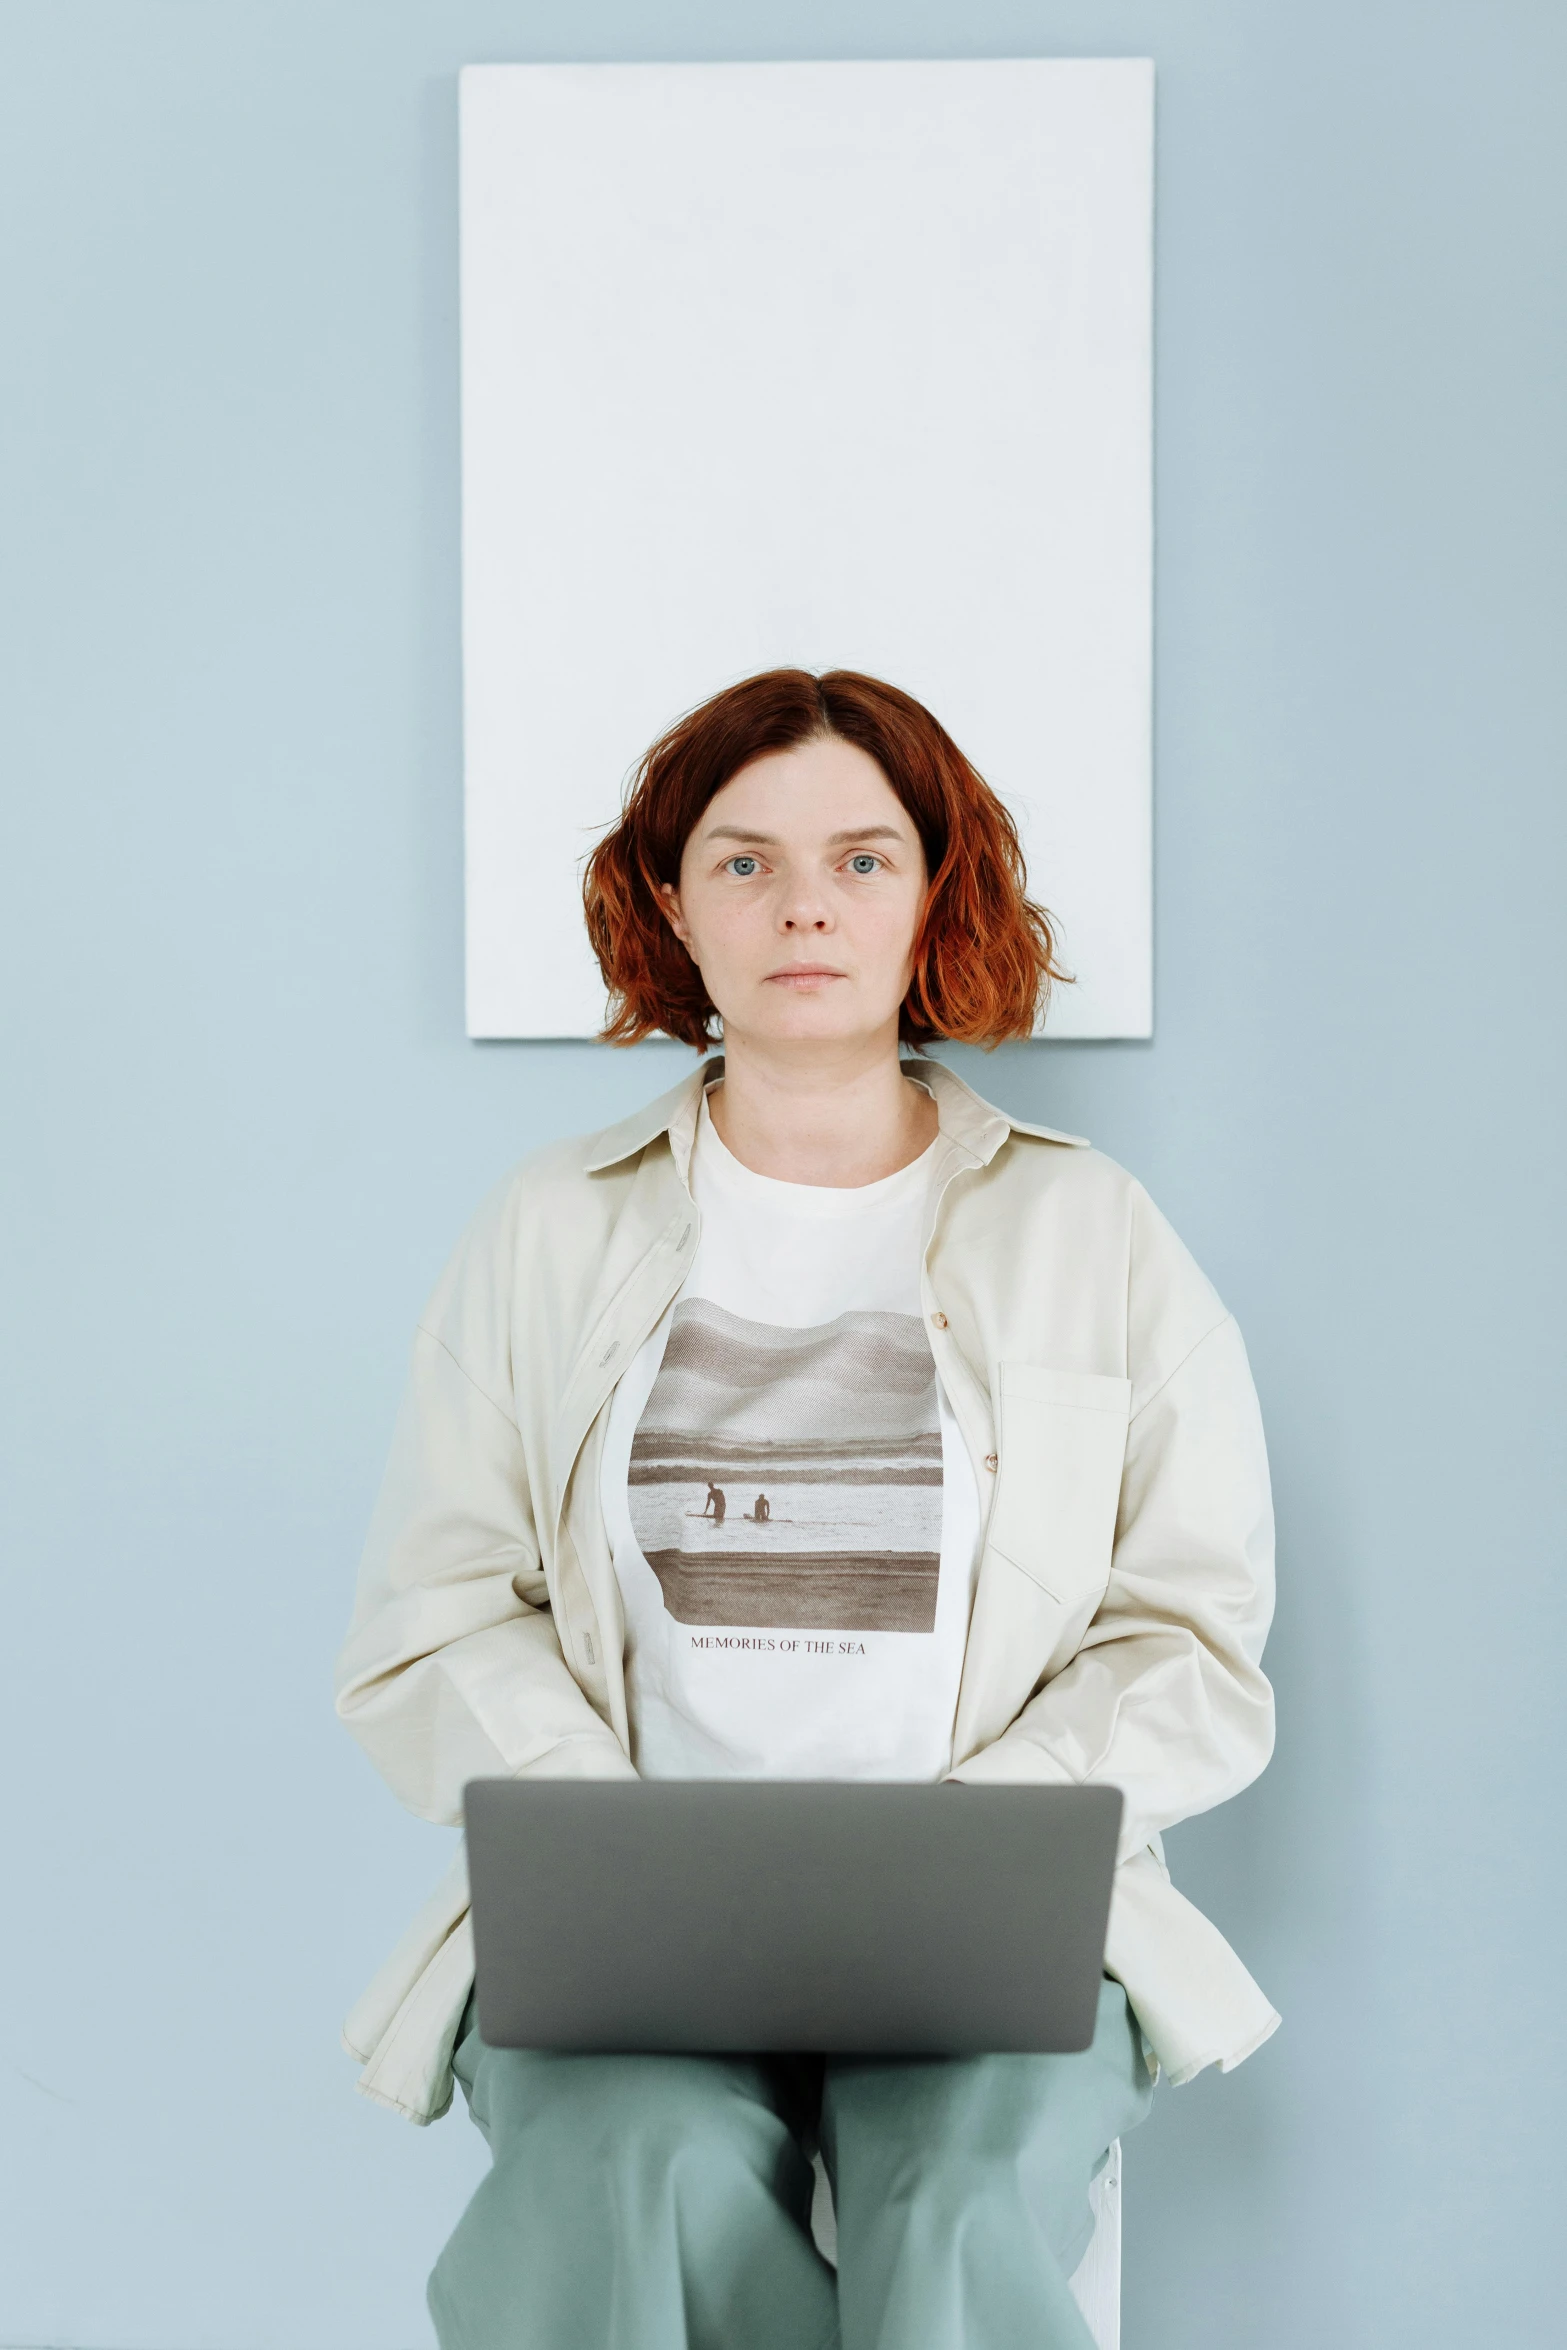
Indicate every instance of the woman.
{"type": "Point", "coordinates": [1014, 1466]}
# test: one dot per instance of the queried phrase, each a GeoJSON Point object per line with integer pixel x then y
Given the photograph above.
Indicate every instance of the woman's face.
{"type": "Point", "coordinates": [799, 895]}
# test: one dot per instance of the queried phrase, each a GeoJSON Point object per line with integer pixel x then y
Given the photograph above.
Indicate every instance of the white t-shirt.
{"type": "Point", "coordinates": [792, 1509]}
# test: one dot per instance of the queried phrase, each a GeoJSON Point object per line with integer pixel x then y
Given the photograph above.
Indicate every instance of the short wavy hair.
{"type": "Point", "coordinates": [984, 955]}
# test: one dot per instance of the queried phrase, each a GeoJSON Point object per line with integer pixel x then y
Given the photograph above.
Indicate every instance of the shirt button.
{"type": "Point", "coordinates": [939, 1321]}
{"type": "Point", "coordinates": [992, 1460]}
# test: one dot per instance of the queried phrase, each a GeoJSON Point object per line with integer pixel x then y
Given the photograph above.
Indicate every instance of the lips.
{"type": "Point", "coordinates": [805, 971]}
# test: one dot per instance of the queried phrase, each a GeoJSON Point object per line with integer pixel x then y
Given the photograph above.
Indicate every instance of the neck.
{"type": "Point", "coordinates": [840, 1118]}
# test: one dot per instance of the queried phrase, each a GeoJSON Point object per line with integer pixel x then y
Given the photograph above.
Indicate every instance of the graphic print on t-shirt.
{"type": "Point", "coordinates": [792, 1477]}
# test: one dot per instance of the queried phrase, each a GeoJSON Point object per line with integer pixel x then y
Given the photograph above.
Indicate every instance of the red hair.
{"type": "Point", "coordinates": [984, 955]}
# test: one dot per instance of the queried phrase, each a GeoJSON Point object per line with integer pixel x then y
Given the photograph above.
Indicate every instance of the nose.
{"type": "Point", "coordinates": [804, 907]}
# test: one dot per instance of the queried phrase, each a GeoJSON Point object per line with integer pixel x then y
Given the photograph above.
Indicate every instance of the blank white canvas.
{"type": "Point", "coordinates": [843, 365]}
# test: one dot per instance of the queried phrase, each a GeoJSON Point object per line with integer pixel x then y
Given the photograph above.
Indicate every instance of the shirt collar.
{"type": "Point", "coordinates": [961, 1113]}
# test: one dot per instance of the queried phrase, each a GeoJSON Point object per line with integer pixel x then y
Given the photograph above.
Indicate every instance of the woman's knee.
{"type": "Point", "coordinates": [609, 2173]}
{"type": "Point", "coordinates": [942, 2184]}
{"type": "Point", "coordinates": [562, 2116]}
{"type": "Point", "coordinates": [948, 2143]}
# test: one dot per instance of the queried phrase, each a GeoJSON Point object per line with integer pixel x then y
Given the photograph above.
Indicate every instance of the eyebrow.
{"type": "Point", "coordinates": [835, 840]}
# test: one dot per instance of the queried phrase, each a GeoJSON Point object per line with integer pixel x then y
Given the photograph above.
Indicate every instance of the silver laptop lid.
{"type": "Point", "coordinates": [760, 1915]}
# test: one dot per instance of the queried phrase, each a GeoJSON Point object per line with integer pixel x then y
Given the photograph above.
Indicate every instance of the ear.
{"type": "Point", "coordinates": [669, 902]}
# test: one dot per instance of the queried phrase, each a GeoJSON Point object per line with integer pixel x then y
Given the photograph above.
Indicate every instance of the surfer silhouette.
{"type": "Point", "coordinates": [715, 1505]}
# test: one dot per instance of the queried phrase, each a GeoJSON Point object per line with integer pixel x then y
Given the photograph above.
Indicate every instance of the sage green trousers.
{"type": "Point", "coordinates": [663, 2202]}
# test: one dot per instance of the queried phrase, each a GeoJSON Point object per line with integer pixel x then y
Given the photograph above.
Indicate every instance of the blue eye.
{"type": "Point", "coordinates": [744, 866]}
{"type": "Point", "coordinates": [864, 862]}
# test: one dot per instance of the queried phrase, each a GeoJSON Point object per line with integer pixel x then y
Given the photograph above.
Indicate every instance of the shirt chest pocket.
{"type": "Point", "coordinates": [1061, 1442]}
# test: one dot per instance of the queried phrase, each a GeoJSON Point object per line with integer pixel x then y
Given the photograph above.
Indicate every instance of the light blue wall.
{"type": "Point", "coordinates": [244, 1125]}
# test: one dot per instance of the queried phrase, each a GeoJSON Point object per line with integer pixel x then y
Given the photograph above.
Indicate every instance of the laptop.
{"type": "Point", "coordinates": [766, 1915]}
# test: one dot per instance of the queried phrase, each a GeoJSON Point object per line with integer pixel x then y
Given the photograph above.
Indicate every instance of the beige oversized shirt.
{"type": "Point", "coordinates": [1126, 1570]}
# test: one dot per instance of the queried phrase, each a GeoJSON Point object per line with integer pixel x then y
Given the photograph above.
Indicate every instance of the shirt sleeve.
{"type": "Point", "coordinates": [1165, 1697]}
{"type": "Point", "coordinates": [452, 1669]}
